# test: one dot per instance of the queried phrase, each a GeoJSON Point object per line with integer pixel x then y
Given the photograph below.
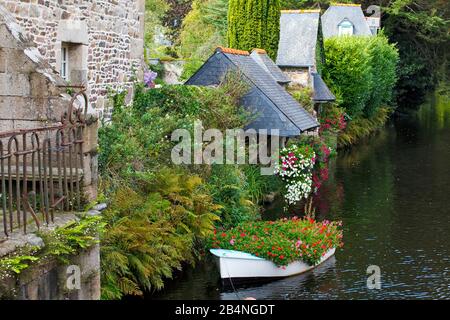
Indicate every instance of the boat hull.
{"type": "Point", "coordinates": [241, 265]}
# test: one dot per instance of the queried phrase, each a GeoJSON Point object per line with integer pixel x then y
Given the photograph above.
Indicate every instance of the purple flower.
{"type": "Point", "coordinates": [149, 78]}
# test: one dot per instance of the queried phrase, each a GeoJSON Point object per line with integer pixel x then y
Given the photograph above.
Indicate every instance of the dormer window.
{"type": "Point", "coordinates": [346, 28]}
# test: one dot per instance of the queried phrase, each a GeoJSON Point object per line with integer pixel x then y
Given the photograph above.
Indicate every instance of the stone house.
{"type": "Point", "coordinates": [267, 99]}
{"type": "Point", "coordinates": [48, 141]}
{"type": "Point", "coordinates": [98, 44]}
{"type": "Point", "coordinates": [300, 45]}
{"type": "Point", "coordinates": [300, 52]}
{"type": "Point", "coordinates": [346, 19]}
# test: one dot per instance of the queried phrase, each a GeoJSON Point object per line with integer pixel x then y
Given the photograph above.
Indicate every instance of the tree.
{"type": "Point", "coordinates": [254, 24]}
{"type": "Point", "coordinates": [204, 28]}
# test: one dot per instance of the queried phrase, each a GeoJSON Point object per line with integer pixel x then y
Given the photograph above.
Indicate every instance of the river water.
{"type": "Point", "coordinates": [392, 193]}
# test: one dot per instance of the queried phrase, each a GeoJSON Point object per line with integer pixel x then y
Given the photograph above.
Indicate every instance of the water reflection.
{"type": "Point", "coordinates": [392, 193]}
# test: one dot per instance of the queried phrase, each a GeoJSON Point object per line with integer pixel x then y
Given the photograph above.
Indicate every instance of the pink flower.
{"type": "Point", "coordinates": [232, 242]}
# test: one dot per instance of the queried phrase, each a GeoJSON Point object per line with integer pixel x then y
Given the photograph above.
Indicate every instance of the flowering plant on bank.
{"type": "Point", "coordinates": [332, 119]}
{"type": "Point", "coordinates": [295, 168]}
{"type": "Point", "coordinates": [323, 155]}
{"type": "Point", "coordinates": [149, 78]}
{"type": "Point", "coordinates": [282, 241]}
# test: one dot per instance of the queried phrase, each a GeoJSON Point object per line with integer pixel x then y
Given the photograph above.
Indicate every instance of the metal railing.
{"type": "Point", "coordinates": [42, 169]}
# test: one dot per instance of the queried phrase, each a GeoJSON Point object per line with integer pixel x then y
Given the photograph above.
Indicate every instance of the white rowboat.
{"type": "Point", "coordinates": [241, 265]}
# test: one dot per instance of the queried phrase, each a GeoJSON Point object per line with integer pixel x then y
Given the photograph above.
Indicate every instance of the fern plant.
{"type": "Point", "coordinates": [151, 232]}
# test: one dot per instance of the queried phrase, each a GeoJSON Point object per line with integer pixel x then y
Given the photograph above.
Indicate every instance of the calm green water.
{"type": "Point", "coordinates": [393, 195]}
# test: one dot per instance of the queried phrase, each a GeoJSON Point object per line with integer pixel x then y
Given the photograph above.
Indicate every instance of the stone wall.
{"type": "Point", "coordinates": [52, 279]}
{"type": "Point", "coordinates": [48, 281]}
{"type": "Point", "coordinates": [104, 38]}
{"type": "Point", "coordinates": [298, 76]}
{"type": "Point", "coordinates": [32, 96]}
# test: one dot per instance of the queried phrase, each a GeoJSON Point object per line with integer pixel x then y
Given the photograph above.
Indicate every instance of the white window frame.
{"type": "Point", "coordinates": [346, 28]}
{"type": "Point", "coordinates": [64, 71]}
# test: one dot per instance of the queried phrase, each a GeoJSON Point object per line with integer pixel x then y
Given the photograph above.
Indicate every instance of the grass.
{"type": "Point", "coordinates": [363, 127]}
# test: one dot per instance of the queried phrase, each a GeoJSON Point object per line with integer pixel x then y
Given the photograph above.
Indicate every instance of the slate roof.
{"type": "Point", "coordinates": [273, 106]}
{"type": "Point", "coordinates": [336, 13]}
{"type": "Point", "coordinates": [298, 38]}
{"type": "Point", "coordinates": [261, 57]}
{"type": "Point", "coordinates": [321, 91]}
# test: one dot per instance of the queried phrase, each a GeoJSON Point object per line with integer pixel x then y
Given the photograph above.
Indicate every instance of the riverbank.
{"type": "Point", "coordinates": [391, 193]}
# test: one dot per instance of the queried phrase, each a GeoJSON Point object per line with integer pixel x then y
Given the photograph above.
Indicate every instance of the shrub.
{"type": "Point", "coordinates": [304, 96]}
{"type": "Point", "coordinates": [254, 24]}
{"type": "Point", "coordinates": [204, 29]}
{"type": "Point", "coordinates": [347, 69]}
{"type": "Point", "coordinates": [332, 119]}
{"type": "Point", "coordinates": [383, 59]}
{"type": "Point", "coordinates": [139, 136]}
{"type": "Point", "coordinates": [228, 187]}
{"type": "Point", "coordinates": [361, 71]}
{"type": "Point", "coordinates": [363, 127]}
{"type": "Point", "coordinates": [151, 229]}
{"type": "Point", "coordinates": [160, 214]}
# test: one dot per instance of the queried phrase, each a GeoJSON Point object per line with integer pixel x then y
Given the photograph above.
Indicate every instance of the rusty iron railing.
{"type": "Point", "coordinates": [42, 169]}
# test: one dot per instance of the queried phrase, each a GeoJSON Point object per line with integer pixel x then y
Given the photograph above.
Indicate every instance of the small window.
{"type": "Point", "coordinates": [65, 63]}
{"type": "Point", "coordinates": [374, 30]}
{"type": "Point", "coordinates": [345, 28]}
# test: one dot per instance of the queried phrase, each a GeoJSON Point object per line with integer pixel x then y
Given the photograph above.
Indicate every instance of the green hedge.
{"type": "Point", "coordinates": [361, 71]}
{"type": "Point", "coordinates": [254, 24]}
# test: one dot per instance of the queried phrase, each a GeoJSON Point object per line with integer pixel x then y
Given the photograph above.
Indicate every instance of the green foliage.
{"type": "Point", "coordinates": [228, 187]}
{"type": "Point", "coordinates": [363, 127]}
{"type": "Point", "coordinates": [60, 243]}
{"type": "Point", "coordinates": [151, 229]}
{"type": "Point", "coordinates": [155, 11]}
{"type": "Point", "coordinates": [320, 51]}
{"type": "Point", "coordinates": [420, 29]}
{"type": "Point", "coordinates": [160, 214]}
{"type": "Point", "coordinates": [306, 4]}
{"type": "Point", "coordinates": [74, 236]}
{"type": "Point", "coordinates": [254, 24]}
{"type": "Point", "coordinates": [15, 263]}
{"type": "Point", "coordinates": [383, 59]}
{"type": "Point", "coordinates": [362, 70]}
{"type": "Point", "coordinates": [258, 185]}
{"type": "Point", "coordinates": [204, 29]}
{"type": "Point", "coordinates": [347, 69]}
{"type": "Point", "coordinates": [139, 136]}
{"type": "Point", "coordinates": [303, 95]}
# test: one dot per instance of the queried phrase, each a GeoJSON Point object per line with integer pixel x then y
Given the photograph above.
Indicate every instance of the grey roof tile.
{"type": "Point", "coordinates": [298, 38]}
{"type": "Point", "coordinates": [273, 106]}
{"type": "Point", "coordinates": [261, 57]}
{"type": "Point", "coordinates": [335, 14]}
{"type": "Point", "coordinates": [321, 90]}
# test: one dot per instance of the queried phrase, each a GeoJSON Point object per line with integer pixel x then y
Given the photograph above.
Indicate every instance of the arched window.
{"type": "Point", "coordinates": [345, 28]}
